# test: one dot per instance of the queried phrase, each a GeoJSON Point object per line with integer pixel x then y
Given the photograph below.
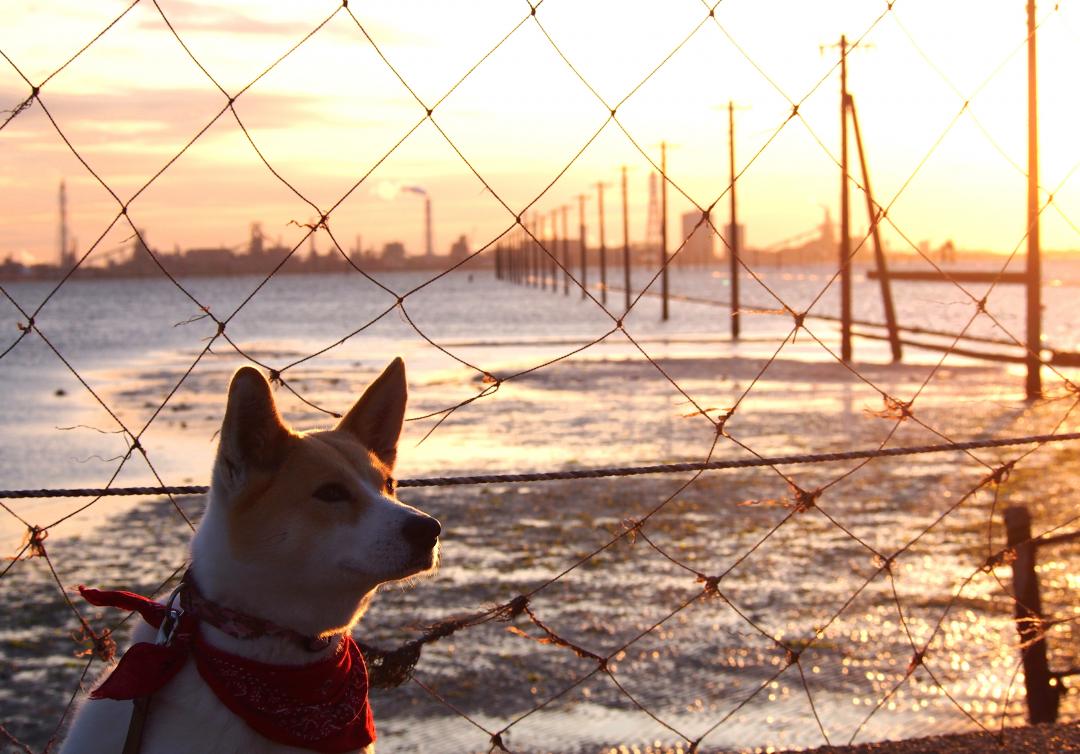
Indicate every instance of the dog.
{"type": "Point", "coordinates": [299, 532]}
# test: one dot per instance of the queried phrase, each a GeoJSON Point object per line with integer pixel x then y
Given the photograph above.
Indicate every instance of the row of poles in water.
{"type": "Point", "coordinates": [521, 259]}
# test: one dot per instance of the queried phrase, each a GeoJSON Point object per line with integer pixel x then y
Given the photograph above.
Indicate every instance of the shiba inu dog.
{"type": "Point", "coordinates": [253, 653]}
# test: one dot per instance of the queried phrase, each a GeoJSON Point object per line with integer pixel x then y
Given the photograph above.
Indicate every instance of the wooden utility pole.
{"type": "Point", "coordinates": [625, 241]}
{"type": "Point", "coordinates": [541, 257]}
{"type": "Point", "coordinates": [733, 232]}
{"type": "Point", "coordinates": [527, 252]}
{"type": "Point", "coordinates": [845, 215]}
{"type": "Point", "coordinates": [603, 247]}
{"type": "Point", "coordinates": [581, 244]}
{"type": "Point", "coordinates": [554, 251]}
{"type": "Point", "coordinates": [515, 260]}
{"type": "Point", "coordinates": [1033, 383]}
{"type": "Point", "coordinates": [879, 251]}
{"type": "Point", "coordinates": [534, 246]}
{"type": "Point", "coordinates": [565, 251]}
{"type": "Point", "coordinates": [663, 233]}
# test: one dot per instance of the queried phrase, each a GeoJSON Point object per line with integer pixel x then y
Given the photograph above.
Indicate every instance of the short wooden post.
{"type": "Point", "coordinates": [1042, 696]}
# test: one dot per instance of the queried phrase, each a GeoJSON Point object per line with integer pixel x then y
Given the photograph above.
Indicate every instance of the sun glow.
{"type": "Point", "coordinates": [939, 87]}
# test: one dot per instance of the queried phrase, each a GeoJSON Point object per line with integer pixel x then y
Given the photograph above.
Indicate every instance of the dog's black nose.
{"type": "Point", "coordinates": [422, 531]}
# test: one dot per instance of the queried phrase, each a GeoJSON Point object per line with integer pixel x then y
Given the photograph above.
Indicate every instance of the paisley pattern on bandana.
{"type": "Point", "coordinates": [322, 706]}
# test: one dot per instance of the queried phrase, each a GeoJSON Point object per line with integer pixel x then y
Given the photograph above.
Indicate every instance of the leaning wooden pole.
{"type": "Point", "coordinates": [1033, 383]}
{"type": "Point", "coordinates": [875, 233]}
{"type": "Point", "coordinates": [663, 233]}
{"type": "Point", "coordinates": [733, 233]}
{"type": "Point", "coordinates": [1042, 696]}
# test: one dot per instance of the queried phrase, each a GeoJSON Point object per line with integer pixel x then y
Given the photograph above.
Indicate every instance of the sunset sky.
{"type": "Point", "coordinates": [327, 114]}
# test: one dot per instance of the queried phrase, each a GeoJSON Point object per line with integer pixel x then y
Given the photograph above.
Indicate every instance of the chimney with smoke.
{"type": "Point", "coordinates": [427, 215]}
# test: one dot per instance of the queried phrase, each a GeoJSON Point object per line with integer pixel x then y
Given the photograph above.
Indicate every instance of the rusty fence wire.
{"type": "Point", "coordinates": [809, 508]}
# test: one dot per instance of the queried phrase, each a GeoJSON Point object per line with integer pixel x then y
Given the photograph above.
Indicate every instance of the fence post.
{"type": "Point", "coordinates": [1042, 697]}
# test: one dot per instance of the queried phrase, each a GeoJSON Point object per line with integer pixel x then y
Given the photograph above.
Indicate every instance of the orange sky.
{"type": "Point", "coordinates": [327, 114]}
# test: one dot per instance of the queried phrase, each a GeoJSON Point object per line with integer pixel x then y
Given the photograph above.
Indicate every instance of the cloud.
{"type": "Point", "coordinates": [191, 16]}
{"type": "Point", "coordinates": [152, 116]}
{"type": "Point", "coordinates": [194, 16]}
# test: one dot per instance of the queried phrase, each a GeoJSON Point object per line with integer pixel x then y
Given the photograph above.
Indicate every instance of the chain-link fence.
{"type": "Point", "coordinates": [825, 563]}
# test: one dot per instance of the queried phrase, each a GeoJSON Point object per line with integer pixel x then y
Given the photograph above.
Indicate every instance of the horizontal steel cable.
{"type": "Point", "coordinates": [594, 473]}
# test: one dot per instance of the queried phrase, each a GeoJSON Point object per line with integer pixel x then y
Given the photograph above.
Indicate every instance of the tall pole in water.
{"type": "Point", "coordinates": [625, 241]}
{"type": "Point", "coordinates": [534, 258]}
{"type": "Point", "coordinates": [554, 251]}
{"type": "Point", "coordinates": [603, 247]}
{"type": "Point", "coordinates": [565, 251]}
{"type": "Point", "coordinates": [541, 257]}
{"type": "Point", "coordinates": [845, 219]}
{"type": "Point", "coordinates": [663, 233]}
{"type": "Point", "coordinates": [733, 233]}
{"type": "Point", "coordinates": [581, 243]}
{"type": "Point", "coordinates": [1033, 384]}
{"type": "Point", "coordinates": [63, 224]}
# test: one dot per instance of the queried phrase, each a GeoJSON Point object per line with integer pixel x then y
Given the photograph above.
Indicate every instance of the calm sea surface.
{"type": "Point", "coordinates": [132, 340]}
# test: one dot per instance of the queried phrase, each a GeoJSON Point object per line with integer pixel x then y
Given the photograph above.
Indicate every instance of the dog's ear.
{"type": "Point", "coordinates": [252, 434]}
{"type": "Point", "coordinates": [376, 419]}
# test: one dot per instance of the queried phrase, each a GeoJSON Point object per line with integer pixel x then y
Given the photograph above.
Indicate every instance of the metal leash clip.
{"type": "Point", "coordinates": [171, 622]}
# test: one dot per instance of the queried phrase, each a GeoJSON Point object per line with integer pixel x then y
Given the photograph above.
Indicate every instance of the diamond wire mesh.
{"type": "Point", "coordinates": [786, 655]}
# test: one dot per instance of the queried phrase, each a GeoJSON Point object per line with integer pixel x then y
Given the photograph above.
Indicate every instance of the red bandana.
{"type": "Point", "coordinates": [322, 706]}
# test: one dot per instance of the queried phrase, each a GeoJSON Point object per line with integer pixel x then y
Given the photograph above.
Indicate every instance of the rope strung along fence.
{"type": "Point", "coordinates": [533, 605]}
{"type": "Point", "coordinates": [552, 476]}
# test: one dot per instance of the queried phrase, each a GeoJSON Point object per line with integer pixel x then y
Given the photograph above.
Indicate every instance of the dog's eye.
{"type": "Point", "coordinates": [391, 485]}
{"type": "Point", "coordinates": [332, 492]}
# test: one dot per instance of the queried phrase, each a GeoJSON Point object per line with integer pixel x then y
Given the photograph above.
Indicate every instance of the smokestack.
{"type": "Point", "coordinates": [63, 224]}
{"type": "Point", "coordinates": [427, 215]}
{"type": "Point", "coordinates": [427, 223]}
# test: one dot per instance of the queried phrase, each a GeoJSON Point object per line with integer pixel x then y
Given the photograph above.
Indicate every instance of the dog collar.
{"type": "Point", "coordinates": [322, 706]}
{"type": "Point", "coordinates": [241, 625]}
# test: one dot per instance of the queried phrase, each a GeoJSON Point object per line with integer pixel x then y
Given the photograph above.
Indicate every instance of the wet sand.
{"type": "Point", "coordinates": [702, 664]}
